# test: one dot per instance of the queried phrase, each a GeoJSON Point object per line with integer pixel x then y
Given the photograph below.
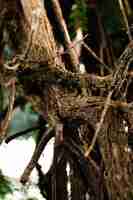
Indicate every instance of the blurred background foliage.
{"type": "Point", "coordinates": [85, 14]}
{"type": "Point", "coordinates": [5, 186]}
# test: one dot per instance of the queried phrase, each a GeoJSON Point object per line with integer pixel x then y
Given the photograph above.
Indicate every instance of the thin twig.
{"type": "Point", "coordinates": [96, 57]}
{"type": "Point", "coordinates": [125, 19]}
{"type": "Point", "coordinates": [116, 84]}
{"type": "Point", "coordinates": [99, 126]}
{"type": "Point", "coordinates": [14, 136]}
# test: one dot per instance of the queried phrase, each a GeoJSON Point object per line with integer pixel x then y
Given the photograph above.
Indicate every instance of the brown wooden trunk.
{"type": "Point", "coordinates": [113, 142]}
{"type": "Point", "coordinates": [39, 46]}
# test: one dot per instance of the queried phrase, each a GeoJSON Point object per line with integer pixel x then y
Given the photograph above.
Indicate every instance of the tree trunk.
{"type": "Point", "coordinates": [57, 94]}
{"type": "Point", "coordinates": [113, 142]}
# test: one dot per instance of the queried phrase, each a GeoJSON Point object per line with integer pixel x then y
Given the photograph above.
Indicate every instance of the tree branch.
{"type": "Point", "coordinates": [36, 155]}
{"type": "Point", "coordinates": [67, 41]}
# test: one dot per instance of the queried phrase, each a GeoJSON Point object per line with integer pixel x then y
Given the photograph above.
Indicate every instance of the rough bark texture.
{"type": "Point", "coordinates": [57, 94]}
{"type": "Point", "coordinates": [113, 142]}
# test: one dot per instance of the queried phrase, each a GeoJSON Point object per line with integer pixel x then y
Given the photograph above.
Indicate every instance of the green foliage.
{"type": "Point", "coordinates": [5, 186]}
{"type": "Point", "coordinates": [78, 15]}
{"type": "Point", "coordinates": [111, 15]}
{"type": "Point", "coordinates": [109, 11]}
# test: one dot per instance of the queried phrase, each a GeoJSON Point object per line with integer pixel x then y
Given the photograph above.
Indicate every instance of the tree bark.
{"type": "Point", "coordinates": [57, 94]}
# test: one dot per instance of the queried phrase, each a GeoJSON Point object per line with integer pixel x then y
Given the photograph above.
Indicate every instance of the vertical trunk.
{"type": "Point", "coordinates": [113, 141]}
{"type": "Point", "coordinates": [40, 43]}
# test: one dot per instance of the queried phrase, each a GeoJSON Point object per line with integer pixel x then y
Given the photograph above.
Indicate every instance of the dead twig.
{"type": "Point", "coordinates": [96, 57]}
{"type": "Point", "coordinates": [99, 125]}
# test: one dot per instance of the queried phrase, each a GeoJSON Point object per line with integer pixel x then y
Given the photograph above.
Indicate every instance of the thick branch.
{"type": "Point", "coordinates": [41, 43]}
{"type": "Point", "coordinates": [67, 41]}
